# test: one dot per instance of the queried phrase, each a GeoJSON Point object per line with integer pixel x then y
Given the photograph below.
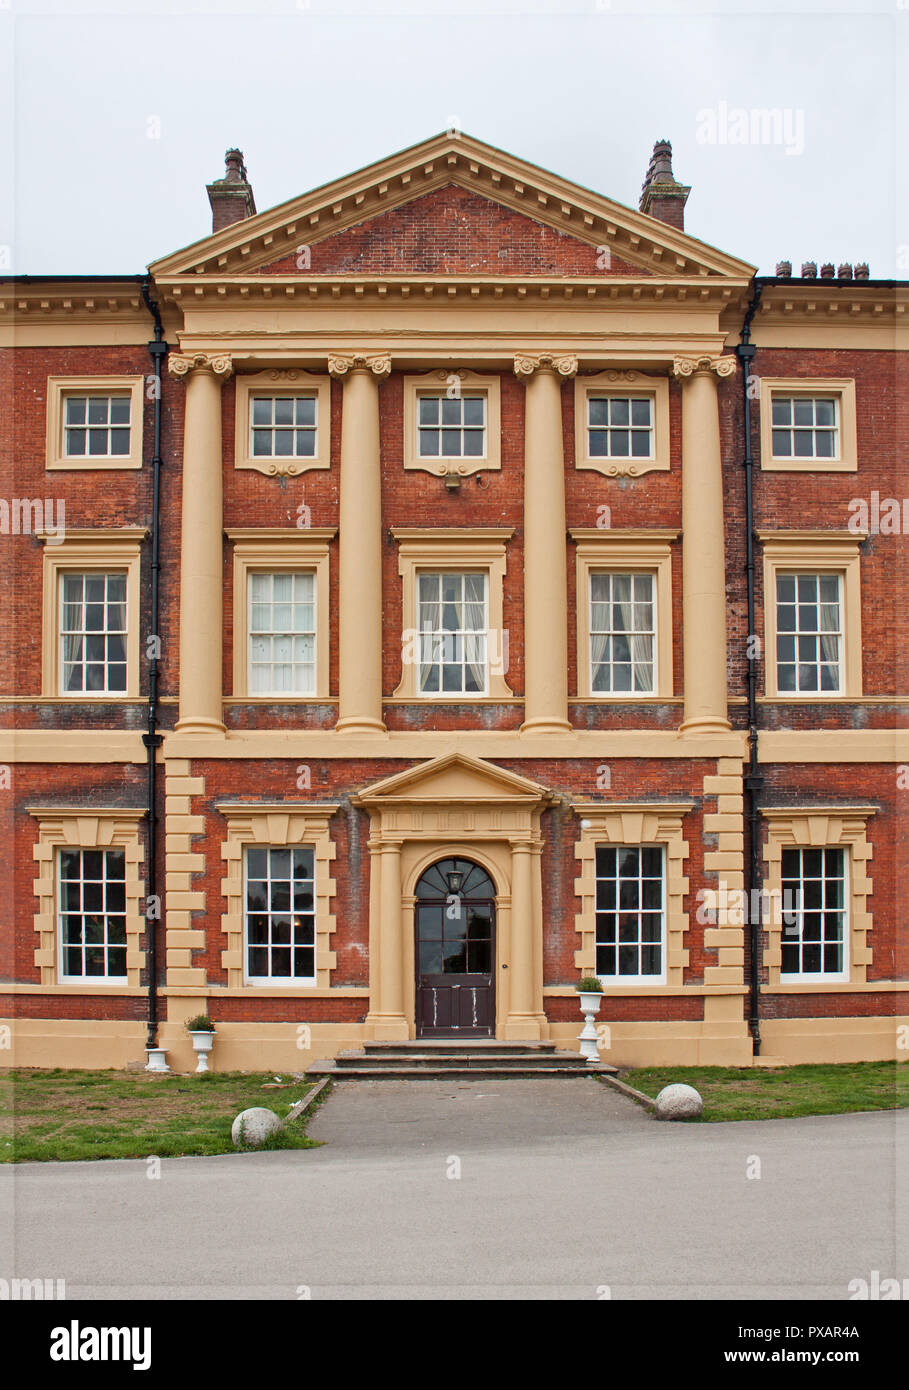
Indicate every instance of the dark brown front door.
{"type": "Point", "coordinates": [455, 952]}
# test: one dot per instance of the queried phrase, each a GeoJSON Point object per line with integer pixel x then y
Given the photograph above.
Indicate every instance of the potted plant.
{"type": "Point", "coordinates": [590, 994]}
{"type": "Point", "coordinates": [202, 1031]}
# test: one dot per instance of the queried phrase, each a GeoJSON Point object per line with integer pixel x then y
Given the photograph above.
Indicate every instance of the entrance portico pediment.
{"type": "Point", "coordinates": [455, 779]}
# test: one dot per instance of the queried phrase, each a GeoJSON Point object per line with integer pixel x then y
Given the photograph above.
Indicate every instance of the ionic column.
{"type": "Point", "coordinates": [703, 545]}
{"type": "Point", "coordinates": [523, 1020]}
{"type": "Point", "coordinates": [360, 546]}
{"type": "Point", "coordinates": [386, 1017]}
{"type": "Point", "coordinates": [201, 556]}
{"type": "Point", "coordinates": [545, 583]}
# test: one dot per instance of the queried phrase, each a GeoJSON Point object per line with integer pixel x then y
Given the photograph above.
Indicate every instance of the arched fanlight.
{"type": "Point", "coordinates": [454, 879]}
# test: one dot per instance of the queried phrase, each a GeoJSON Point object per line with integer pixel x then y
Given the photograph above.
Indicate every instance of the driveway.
{"type": "Point", "coordinates": [545, 1189]}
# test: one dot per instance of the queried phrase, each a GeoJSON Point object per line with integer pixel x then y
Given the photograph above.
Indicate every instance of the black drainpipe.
{"type": "Point", "coordinates": [753, 778]}
{"type": "Point", "coordinates": [152, 739]}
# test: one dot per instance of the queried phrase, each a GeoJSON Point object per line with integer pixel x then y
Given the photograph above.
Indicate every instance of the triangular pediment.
{"type": "Point", "coordinates": [453, 778]}
{"type": "Point", "coordinates": [454, 161]}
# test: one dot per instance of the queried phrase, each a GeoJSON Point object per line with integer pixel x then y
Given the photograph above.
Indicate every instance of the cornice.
{"type": "Point", "coordinates": [189, 292]}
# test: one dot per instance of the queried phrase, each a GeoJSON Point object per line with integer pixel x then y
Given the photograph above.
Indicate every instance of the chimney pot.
{"type": "Point", "coordinates": [828, 270]}
{"type": "Point", "coordinates": [809, 270]}
{"type": "Point", "coordinates": [844, 272]}
{"type": "Point", "coordinates": [662, 196]}
{"type": "Point", "coordinates": [784, 269]}
{"type": "Point", "coordinates": [862, 272]}
{"type": "Point", "coordinates": [231, 198]}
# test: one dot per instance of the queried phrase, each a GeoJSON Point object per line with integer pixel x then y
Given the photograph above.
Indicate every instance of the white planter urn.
{"type": "Point", "coordinates": [590, 1007]}
{"type": "Point", "coordinates": [157, 1059]}
{"type": "Point", "coordinates": [202, 1042]}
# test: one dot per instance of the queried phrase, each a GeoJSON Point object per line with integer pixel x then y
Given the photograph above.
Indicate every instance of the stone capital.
{"type": "Point", "coordinates": [527, 363]}
{"type": "Point", "coordinates": [219, 364]}
{"type": "Point", "coordinates": [690, 366]}
{"type": "Point", "coordinates": [342, 364]}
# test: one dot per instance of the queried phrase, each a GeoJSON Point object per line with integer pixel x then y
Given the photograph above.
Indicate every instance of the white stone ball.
{"type": "Point", "coordinates": [252, 1127]}
{"type": "Point", "coordinates": [678, 1102]}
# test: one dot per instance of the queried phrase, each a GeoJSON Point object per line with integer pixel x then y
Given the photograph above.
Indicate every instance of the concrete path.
{"type": "Point", "coordinates": [518, 1189]}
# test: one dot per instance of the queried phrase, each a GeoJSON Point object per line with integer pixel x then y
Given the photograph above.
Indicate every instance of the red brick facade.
{"type": "Point", "coordinates": [457, 233]}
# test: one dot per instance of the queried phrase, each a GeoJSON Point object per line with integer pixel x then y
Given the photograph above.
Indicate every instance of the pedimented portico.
{"type": "Point", "coordinates": [464, 807]}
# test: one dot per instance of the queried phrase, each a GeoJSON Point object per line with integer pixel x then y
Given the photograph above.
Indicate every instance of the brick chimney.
{"type": "Point", "coordinates": [661, 196]}
{"type": "Point", "coordinates": [231, 198]}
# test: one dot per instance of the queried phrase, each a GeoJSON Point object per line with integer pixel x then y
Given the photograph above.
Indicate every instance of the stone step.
{"type": "Point", "coordinates": [458, 1046]}
{"type": "Point", "coordinates": [487, 1072]}
{"type": "Point", "coordinates": [445, 1061]}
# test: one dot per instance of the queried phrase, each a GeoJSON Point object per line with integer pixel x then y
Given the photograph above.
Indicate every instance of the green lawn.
{"type": "Point", "coordinates": [112, 1114]}
{"type": "Point", "coordinates": [772, 1093]}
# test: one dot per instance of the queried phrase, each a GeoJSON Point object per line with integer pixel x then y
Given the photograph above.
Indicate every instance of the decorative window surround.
{"type": "Point", "coordinates": [815, 552]}
{"type": "Point", "coordinates": [86, 827]}
{"type": "Point", "coordinates": [275, 382]}
{"type": "Point", "coordinates": [90, 552]}
{"type": "Point", "coordinates": [59, 387]}
{"type": "Point", "coordinates": [843, 391]}
{"type": "Point", "coordinates": [815, 827]}
{"type": "Point", "coordinates": [626, 552]}
{"type": "Point", "coordinates": [461, 549]}
{"type": "Point", "coordinates": [633, 823]}
{"type": "Point", "coordinates": [438, 383]}
{"type": "Point", "coordinates": [277, 824]}
{"type": "Point", "coordinates": [280, 550]}
{"type": "Point", "coordinates": [623, 383]}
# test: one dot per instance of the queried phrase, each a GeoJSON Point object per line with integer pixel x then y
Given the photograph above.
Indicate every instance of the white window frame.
{"type": "Point", "coordinates": [62, 388]}
{"type": "Point", "coordinates": [281, 550]}
{"type": "Point", "coordinates": [442, 383]}
{"type": "Point", "coordinates": [445, 635]}
{"type": "Point", "coordinates": [272, 692]}
{"type": "Point", "coordinates": [610, 398]}
{"type": "Point", "coordinates": [633, 694]}
{"type": "Point", "coordinates": [842, 391]}
{"type": "Point", "coordinates": [821, 553]}
{"type": "Point", "coordinates": [273, 427]}
{"type": "Point", "coordinates": [84, 574]}
{"type": "Point", "coordinates": [273, 981]}
{"type": "Point", "coordinates": [637, 979]}
{"type": "Point", "coordinates": [624, 385]}
{"type": "Point", "coordinates": [819, 976]}
{"type": "Point", "coordinates": [105, 979]}
{"type": "Point", "coordinates": [280, 382]}
{"type": "Point", "coordinates": [815, 634]}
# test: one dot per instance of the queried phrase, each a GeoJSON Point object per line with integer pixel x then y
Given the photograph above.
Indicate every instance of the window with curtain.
{"type": "Point", "coordinates": [814, 894]}
{"type": "Point", "coordinates": [808, 633]}
{"type": "Point", "coordinates": [453, 626]}
{"type": "Point", "coordinates": [622, 633]}
{"type": "Point", "coordinates": [282, 634]}
{"type": "Point", "coordinates": [92, 633]}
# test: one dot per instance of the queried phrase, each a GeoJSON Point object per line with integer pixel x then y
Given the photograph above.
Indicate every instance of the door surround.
{"type": "Point", "coordinates": [465, 807]}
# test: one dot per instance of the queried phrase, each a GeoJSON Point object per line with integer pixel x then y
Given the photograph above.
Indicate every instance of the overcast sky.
{"type": "Point", "coordinates": [115, 115]}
